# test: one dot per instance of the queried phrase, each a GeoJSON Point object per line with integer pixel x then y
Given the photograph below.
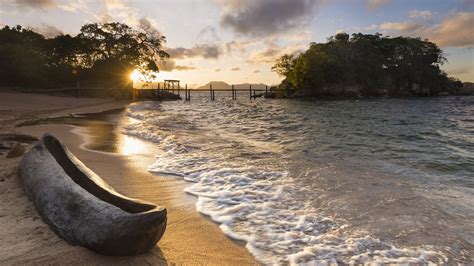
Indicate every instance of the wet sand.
{"type": "Point", "coordinates": [190, 238]}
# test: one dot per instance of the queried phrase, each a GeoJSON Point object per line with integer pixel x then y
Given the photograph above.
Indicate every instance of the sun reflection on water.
{"type": "Point", "coordinates": [130, 145]}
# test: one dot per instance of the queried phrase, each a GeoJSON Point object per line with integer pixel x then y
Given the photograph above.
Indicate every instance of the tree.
{"type": "Point", "coordinates": [103, 52]}
{"type": "Point", "coordinates": [119, 42]}
{"type": "Point", "coordinates": [283, 65]}
{"type": "Point", "coordinates": [371, 64]}
{"type": "Point", "coordinates": [22, 57]}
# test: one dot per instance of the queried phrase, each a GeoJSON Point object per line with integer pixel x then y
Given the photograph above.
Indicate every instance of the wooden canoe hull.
{"type": "Point", "coordinates": [82, 208]}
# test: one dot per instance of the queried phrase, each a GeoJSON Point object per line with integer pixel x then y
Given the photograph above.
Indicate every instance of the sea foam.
{"type": "Point", "coordinates": [257, 203]}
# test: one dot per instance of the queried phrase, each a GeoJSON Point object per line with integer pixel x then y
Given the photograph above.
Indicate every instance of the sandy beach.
{"type": "Point", "coordinates": [190, 238]}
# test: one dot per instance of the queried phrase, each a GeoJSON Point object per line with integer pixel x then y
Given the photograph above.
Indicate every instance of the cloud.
{"type": "Point", "coordinates": [217, 70]}
{"type": "Point", "coordinates": [114, 4]}
{"type": "Point", "coordinates": [425, 14]}
{"type": "Point", "coordinates": [235, 69]}
{"type": "Point", "coordinates": [34, 4]}
{"type": "Point", "coordinates": [454, 31]}
{"type": "Point", "coordinates": [403, 27]}
{"type": "Point", "coordinates": [184, 68]}
{"type": "Point", "coordinates": [258, 18]}
{"type": "Point", "coordinates": [268, 55]}
{"type": "Point", "coordinates": [238, 45]}
{"type": "Point", "coordinates": [169, 64]}
{"type": "Point", "coordinates": [48, 31]}
{"type": "Point", "coordinates": [104, 17]}
{"type": "Point", "coordinates": [118, 10]}
{"type": "Point", "coordinates": [256, 71]}
{"type": "Point", "coordinates": [149, 26]}
{"type": "Point", "coordinates": [374, 4]}
{"type": "Point", "coordinates": [207, 51]}
{"type": "Point", "coordinates": [71, 5]}
{"type": "Point", "coordinates": [273, 51]}
{"type": "Point", "coordinates": [166, 65]}
{"type": "Point", "coordinates": [467, 3]}
{"type": "Point", "coordinates": [208, 34]}
{"type": "Point", "coordinates": [369, 28]}
{"type": "Point", "coordinates": [460, 70]}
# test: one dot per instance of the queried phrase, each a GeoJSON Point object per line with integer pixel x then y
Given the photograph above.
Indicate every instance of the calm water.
{"type": "Point", "coordinates": [386, 180]}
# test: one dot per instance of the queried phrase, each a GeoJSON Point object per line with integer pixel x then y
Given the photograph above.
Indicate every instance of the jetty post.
{"type": "Point", "coordinates": [158, 90]}
{"type": "Point", "coordinates": [211, 92]}
{"type": "Point", "coordinates": [179, 88]}
{"type": "Point", "coordinates": [233, 93]}
{"type": "Point", "coordinates": [186, 92]}
{"type": "Point", "coordinates": [250, 91]}
{"type": "Point", "coordinates": [266, 91]}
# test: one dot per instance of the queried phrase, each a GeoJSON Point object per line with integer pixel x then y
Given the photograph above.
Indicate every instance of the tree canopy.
{"type": "Point", "coordinates": [101, 52]}
{"type": "Point", "coordinates": [367, 65]}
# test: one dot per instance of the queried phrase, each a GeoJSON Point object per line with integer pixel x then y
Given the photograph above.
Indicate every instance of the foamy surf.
{"type": "Point", "coordinates": [241, 181]}
{"type": "Point", "coordinates": [257, 207]}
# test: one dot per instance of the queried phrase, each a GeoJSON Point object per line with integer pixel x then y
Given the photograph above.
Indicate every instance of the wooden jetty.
{"type": "Point", "coordinates": [171, 90]}
{"type": "Point", "coordinates": [253, 93]}
{"type": "Point", "coordinates": [168, 90]}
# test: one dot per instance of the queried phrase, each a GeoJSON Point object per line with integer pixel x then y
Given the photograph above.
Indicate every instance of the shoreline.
{"type": "Point", "coordinates": [190, 238]}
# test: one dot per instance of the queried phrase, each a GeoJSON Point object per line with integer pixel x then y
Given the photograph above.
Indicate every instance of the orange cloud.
{"type": "Point", "coordinates": [374, 4]}
{"type": "Point", "coordinates": [456, 31]}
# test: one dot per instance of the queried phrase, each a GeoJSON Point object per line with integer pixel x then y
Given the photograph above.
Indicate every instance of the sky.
{"type": "Point", "coordinates": [238, 41]}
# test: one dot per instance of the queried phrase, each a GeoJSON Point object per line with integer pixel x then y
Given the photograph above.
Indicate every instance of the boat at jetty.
{"type": "Point", "coordinates": [82, 208]}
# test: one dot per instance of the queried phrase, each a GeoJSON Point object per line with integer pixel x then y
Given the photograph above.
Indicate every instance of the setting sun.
{"type": "Point", "coordinates": [135, 75]}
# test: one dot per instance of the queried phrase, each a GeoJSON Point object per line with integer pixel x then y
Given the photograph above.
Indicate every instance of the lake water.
{"type": "Point", "coordinates": [373, 180]}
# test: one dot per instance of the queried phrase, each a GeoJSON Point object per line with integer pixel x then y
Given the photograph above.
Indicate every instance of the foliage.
{"type": "Point", "coordinates": [104, 53]}
{"type": "Point", "coordinates": [368, 65]}
{"type": "Point", "coordinates": [283, 65]}
{"type": "Point", "coordinates": [116, 41]}
{"type": "Point", "coordinates": [22, 53]}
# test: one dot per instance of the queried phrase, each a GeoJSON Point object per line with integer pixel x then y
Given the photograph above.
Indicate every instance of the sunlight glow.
{"type": "Point", "coordinates": [135, 75]}
{"type": "Point", "coordinates": [130, 145]}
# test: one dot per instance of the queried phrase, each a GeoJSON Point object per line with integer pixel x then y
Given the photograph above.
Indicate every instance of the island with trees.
{"type": "Point", "coordinates": [365, 65]}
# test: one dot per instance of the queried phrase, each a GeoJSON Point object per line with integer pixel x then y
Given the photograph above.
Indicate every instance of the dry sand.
{"type": "Point", "coordinates": [190, 238]}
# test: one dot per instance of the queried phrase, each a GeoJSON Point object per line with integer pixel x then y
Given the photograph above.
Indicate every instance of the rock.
{"type": "Point", "coordinates": [18, 150]}
{"type": "Point", "coordinates": [415, 88]}
{"type": "Point", "coordinates": [352, 91]}
{"type": "Point", "coordinates": [335, 90]}
{"type": "Point", "coordinates": [270, 95]}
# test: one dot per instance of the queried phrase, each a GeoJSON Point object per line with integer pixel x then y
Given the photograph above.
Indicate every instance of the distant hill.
{"type": "Point", "coordinates": [219, 85]}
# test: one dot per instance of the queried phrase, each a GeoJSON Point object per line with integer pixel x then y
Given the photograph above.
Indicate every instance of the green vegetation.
{"type": "Point", "coordinates": [102, 53]}
{"type": "Point", "coordinates": [366, 65]}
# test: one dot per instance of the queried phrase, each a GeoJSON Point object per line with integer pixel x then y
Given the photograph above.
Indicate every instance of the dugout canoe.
{"type": "Point", "coordinates": [82, 208]}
